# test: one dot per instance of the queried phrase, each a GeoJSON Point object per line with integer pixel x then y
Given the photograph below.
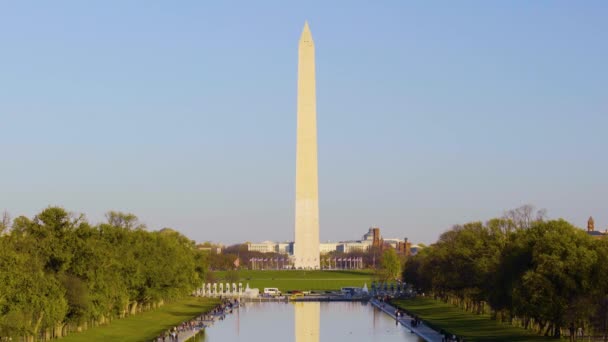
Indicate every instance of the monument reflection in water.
{"type": "Point", "coordinates": [308, 322]}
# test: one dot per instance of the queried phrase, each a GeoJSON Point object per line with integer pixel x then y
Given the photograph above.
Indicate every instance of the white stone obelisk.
{"type": "Point", "coordinates": [306, 246]}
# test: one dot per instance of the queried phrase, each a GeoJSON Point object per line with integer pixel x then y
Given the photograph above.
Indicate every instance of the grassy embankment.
{"type": "Point", "coordinates": [472, 327]}
{"type": "Point", "coordinates": [147, 325]}
{"type": "Point", "coordinates": [289, 280]}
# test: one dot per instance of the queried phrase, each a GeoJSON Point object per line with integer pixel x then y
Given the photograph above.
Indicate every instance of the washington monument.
{"type": "Point", "coordinates": [306, 247]}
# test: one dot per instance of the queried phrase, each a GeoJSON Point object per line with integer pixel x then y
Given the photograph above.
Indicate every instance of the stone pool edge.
{"type": "Point", "coordinates": [430, 335]}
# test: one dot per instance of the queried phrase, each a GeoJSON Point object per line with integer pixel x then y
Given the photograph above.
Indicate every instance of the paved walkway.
{"type": "Point", "coordinates": [184, 336]}
{"type": "Point", "coordinates": [421, 330]}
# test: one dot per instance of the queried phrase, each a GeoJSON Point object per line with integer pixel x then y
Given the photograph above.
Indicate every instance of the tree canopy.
{"type": "Point", "coordinates": [390, 265]}
{"type": "Point", "coordinates": [542, 274]}
{"type": "Point", "coordinates": [58, 272]}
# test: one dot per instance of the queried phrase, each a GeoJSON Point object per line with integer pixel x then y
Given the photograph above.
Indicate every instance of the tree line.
{"type": "Point", "coordinates": [544, 275]}
{"type": "Point", "coordinates": [59, 273]}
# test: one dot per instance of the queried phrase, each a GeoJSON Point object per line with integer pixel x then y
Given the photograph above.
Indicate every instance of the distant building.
{"type": "Point", "coordinates": [211, 249]}
{"type": "Point", "coordinates": [271, 247]}
{"type": "Point", "coordinates": [284, 248]}
{"type": "Point", "coordinates": [392, 242]}
{"type": "Point", "coordinates": [591, 229]}
{"type": "Point", "coordinates": [404, 247]}
{"type": "Point", "coordinates": [370, 239]}
{"type": "Point", "coordinates": [373, 236]}
{"type": "Point", "coordinates": [377, 240]}
{"type": "Point", "coordinates": [414, 249]}
{"type": "Point", "coordinates": [353, 246]}
{"type": "Point", "coordinates": [328, 247]}
{"type": "Point", "coordinates": [590, 224]}
{"type": "Point", "coordinates": [262, 247]}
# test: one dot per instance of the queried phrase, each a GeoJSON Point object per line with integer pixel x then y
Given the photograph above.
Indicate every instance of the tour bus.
{"type": "Point", "coordinates": [271, 291]}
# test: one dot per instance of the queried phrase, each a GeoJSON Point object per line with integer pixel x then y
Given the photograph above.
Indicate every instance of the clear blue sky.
{"type": "Point", "coordinates": [429, 113]}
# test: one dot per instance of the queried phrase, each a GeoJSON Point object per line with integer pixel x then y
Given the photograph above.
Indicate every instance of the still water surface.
{"type": "Point", "coordinates": [308, 322]}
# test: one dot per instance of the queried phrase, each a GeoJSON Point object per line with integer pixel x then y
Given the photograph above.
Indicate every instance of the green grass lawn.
{"type": "Point", "coordinates": [147, 325]}
{"type": "Point", "coordinates": [289, 280]}
{"type": "Point", "coordinates": [472, 327]}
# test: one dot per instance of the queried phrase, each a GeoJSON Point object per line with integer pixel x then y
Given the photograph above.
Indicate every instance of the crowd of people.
{"type": "Point", "coordinates": [415, 321]}
{"type": "Point", "coordinates": [198, 323]}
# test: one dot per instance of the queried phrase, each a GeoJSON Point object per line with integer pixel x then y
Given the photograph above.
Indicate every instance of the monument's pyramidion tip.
{"type": "Point", "coordinates": [306, 30]}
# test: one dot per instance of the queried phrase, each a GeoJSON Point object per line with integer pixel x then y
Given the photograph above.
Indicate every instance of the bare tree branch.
{"type": "Point", "coordinates": [5, 224]}
{"type": "Point", "coordinates": [524, 216]}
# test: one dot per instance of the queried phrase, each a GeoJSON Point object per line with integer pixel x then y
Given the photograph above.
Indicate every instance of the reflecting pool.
{"type": "Point", "coordinates": [308, 322]}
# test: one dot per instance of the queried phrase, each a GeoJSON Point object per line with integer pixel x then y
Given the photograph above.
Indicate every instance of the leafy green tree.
{"type": "Point", "coordinates": [390, 265]}
{"type": "Point", "coordinates": [542, 274]}
{"type": "Point", "coordinates": [20, 225]}
{"type": "Point", "coordinates": [57, 272]}
{"type": "Point", "coordinates": [30, 299]}
{"type": "Point", "coordinates": [554, 288]}
{"type": "Point", "coordinates": [124, 220]}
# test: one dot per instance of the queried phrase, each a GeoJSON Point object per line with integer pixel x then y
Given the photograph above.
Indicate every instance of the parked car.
{"type": "Point", "coordinates": [271, 291]}
{"type": "Point", "coordinates": [296, 295]}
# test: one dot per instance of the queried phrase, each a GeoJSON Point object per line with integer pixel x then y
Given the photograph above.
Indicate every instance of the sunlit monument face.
{"type": "Point", "coordinates": [306, 247]}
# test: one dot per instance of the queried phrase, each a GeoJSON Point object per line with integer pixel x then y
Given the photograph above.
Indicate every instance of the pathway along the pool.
{"type": "Point", "coordinates": [422, 330]}
{"type": "Point", "coordinates": [308, 322]}
{"type": "Point", "coordinates": [189, 330]}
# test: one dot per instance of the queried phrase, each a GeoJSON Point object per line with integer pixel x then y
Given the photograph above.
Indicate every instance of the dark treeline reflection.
{"type": "Point", "coordinates": [58, 273]}
{"type": "Point", "coordinates": [545, 275]}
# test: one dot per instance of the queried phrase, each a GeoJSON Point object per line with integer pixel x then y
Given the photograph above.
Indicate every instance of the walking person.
{"type": "Point", "coordinates": [571, 329]}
